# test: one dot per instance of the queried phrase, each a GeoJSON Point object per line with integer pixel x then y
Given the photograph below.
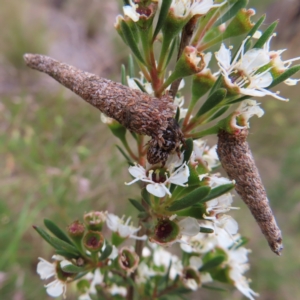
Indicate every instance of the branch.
{"type": "Point", "coordinates": [186, 36]}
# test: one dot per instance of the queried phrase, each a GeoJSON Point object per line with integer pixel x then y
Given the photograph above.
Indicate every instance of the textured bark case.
{"type": "Point", "coordinates": [237, 160]}
{"type": "Point", "coordinates": [137, 111]}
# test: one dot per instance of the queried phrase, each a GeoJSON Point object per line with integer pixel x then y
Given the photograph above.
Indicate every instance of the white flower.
{"type": "Point", "coordinates": [95, 279]}
{"type": "Point", "coordinates": [185, 8]}
{"type": "Point", "coordinates": [200, 243]}
{"type": "Point", "coordinates": [130, 11]}
{"type": "Point", "coordinates": [246, 110]}
{"type": "Point", "coordinates": [124, 229]}
{"type": "Point", "coordinates": [163, 258]}
{"type": "Point", "coordinates": [242, 72]}
{"type": "Point", "coordinates": [47, 270]}
{"type": "Point", "coordinates": [188, 226]}
{"type": "Point", "coordinates": [237, 262]}
{"type": "Point", "coordinates": [144, 272]}
{"type": "Point", "coordinates": [204, 155]}
{"type": "Point", "coordinates": [117, 290]}
{"type": "Point", "coordinates": [179, 102]}
{"type": "Point", "coordinates": [159, 179]}
{"type": "Point", "coordinates": [220, 204]}
{"type": "Point", "coordinates": [279, 64]}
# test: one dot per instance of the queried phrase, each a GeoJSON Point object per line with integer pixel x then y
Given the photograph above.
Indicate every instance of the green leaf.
{"type": "Point", "coordinates": [129, 161]}
{"type": "Point", "coordinates": [217, 192]}
{"type": "Point", "coordinates": [137, 204]}
{"type": "Point", "coordinates": [206, 230]}
{"type": "Point", "coordinates": [52, 227]}
{"type": "Point", "coordinates": [213, 263]}
{"type": "Point", "coordinates": [72, 269]}
{"type": "Point", "coordinates": [212, 101]}
{"type": "Point", "coordinates": [252, 31]}
{"type": "Point", "coordinates": [214, 288]}
{"type": "Point", "coordinates": [66, 254]}
{"type": "Point", "coordinates": [285, 75]}
{"type": "Point", "coordinates": [172, 48]}
{"type": "Point", "coordinates": [177, 114]}
{"type": "Point", "coordinates": [123, 75]}
{"type": "Point", "coordinates": [231, 12]}
{"type": "Point", "coordinates": [165, 6]}
{"type": "Point", "coordinates": [146, 196]}
{"type": "Point", "coordinates": [131, 41]}
{"type": "Point", "coordinates": [191, 199]}
{"type": "Point", "coordinates": [56, 243]}
{"type": "Point", "coordinates": [266, 35]}
{"type": "Point", "coordinates": [131, 66]}
{"type": "Point", "coordinates": [188, 149]}
{"type": "Point", "coordinates": [141, 87]}
{"type": "Point", "coordinates": [219, 113]}
{"type": "Point", "coordinates": [106, 253]}
{"type": "Point", "coordinates": [239, 99]}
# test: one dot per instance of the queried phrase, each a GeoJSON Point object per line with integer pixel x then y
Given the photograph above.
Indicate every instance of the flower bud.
{"type": "Point", "coordinates": [76, 230]}
{"type": "Point", "coordinates": [93, 241]}
{"type": "Point", "coordinates": [128, 260]}
{"type": "Point", "coordinates": [94, 220]}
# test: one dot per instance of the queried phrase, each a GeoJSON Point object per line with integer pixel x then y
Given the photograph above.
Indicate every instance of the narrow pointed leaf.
{"type": "Point", "coordinates": [131, 41]}
{"type": "Point", "coordinates": [72, 269]}
{"type": "Point", "coordinates": [285, 75]}
{"type": "Point", "coordinates": [266, 35]}
{"type": "Point", "coordinates": [66, 254]}
{"type": "Point", "coordinates": [177, 114]}
{"type": "Point", "coordinates": [253, 30]}
{"type": "Point", "coordinates": [123, 75]}
{"type": "Point", "coordinates": [191, 199]}
{"type": "Point", "coordinates": [172, 48]}
{"type": "Point", "coordinates": [239, 99]}
{"type": "Point", "coordinates": [212, 101]}
{"type": "Point", "coordinates": [214, 288]}
{"type": "Point", "coordinates": [106, 253]}
{"type": "Point", "coordinates": [146, 196]}
{"type": "Point", "coordinates": [231, 12]}
{"type": "Point", "coordinates": [137, 205]}
{"type": "Point", "coordinates": [188, 149]}
{"type": "Point", "coordinates": [206, 230]}
{"type": "Point", "coordinates": [52, 227]}
{"type": "Point", "coordinates": [217, 192]}
{"type": "Point", "coordinates": [219, 113]}
{"type": "Point", "coordinates": [56, 243]}
{"type": "Point", "coordinates": [165, 6]}
{"type": "Point", "coordinates": [141, 87]}
{"type": "Point", "coordinates": [131, 66]}
{"type": "Point", "coordinates": [129, 161]}
{"type": "Point", "coordinates": [215, 262]}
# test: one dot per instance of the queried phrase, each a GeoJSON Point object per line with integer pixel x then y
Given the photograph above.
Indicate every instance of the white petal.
{"type": "Point", "coordinates": [45, 269]}
{"type": "Point", "coordinates": [156, 189]}
{"type": "Point", "coordinates": [189, 226]}
{"type": "Point", "coordinates": [55, 288]}
{"type": "Point", "coordinates": [137, 171]}
{"type": "Point", "coordinates": [196, 262]}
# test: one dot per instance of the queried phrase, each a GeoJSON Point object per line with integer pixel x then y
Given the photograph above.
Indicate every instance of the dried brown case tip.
{"type": "Point", "coordinates": [237, 160]}
{"type": "Point", "coordinates": [137, 111]}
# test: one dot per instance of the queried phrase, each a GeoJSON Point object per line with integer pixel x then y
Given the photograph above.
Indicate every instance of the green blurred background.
{"type": "Point", "coordinates": [58, 160]}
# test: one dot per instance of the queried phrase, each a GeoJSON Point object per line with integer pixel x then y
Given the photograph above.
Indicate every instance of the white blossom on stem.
{"type": "Point", "coordinates": [159, 179]}
{"type": "Point", "coordinates": [278, 64]}
{"type": "Point", "coordinates": [47, 270]}
{"type": "Point", "coordinates": [242, 73]}
{"type": "Point", "coordinates": [122, 227]}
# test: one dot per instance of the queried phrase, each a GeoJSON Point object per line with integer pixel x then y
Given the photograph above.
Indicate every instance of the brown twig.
{"type": "Point", "coordinates": [186, 37]}
{"type": "Point", "coordinates": [237, 160]}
